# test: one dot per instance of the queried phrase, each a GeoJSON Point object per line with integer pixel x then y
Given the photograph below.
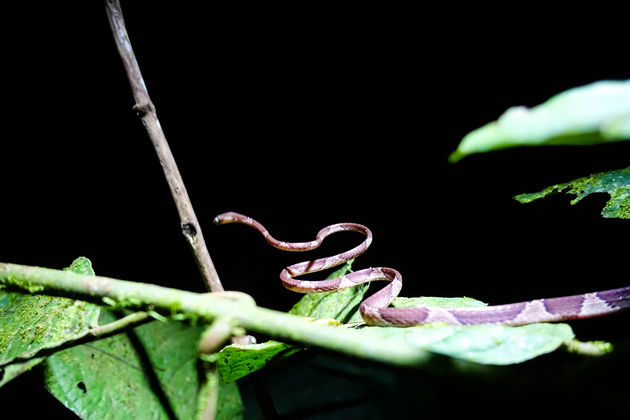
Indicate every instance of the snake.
{"type": "Point", "coordinates": [376, 310]}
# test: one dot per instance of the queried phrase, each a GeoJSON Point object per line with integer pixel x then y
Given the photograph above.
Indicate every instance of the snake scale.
{"type": "Point", "coordinates": [375, 309]}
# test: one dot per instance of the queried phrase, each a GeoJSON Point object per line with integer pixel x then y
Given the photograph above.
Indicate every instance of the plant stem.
{"type": "Point", "coordinates": [97, 333]}
{"type": "Point", "coordinates": [209, 307]}
{"type": "Point", "coordinates": [112, 328]}
{"type": "Point", "coordinates": [146, 111]}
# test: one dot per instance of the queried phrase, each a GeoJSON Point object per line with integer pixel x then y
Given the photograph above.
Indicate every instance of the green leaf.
{"type": "Point", "coordinates": [31, 323]}
{"type": "Point", "coordinates": [15, 369]}
{"type": "Point", "coordinates": [236, 361]}
{"type": "Point", "coordinates": [502, 345]}
{"type": "Point", "coordinates": [81, 265]}
{"type": "Point", "coordinates": [589, 348]}
{"type": "Point", "coordinates": [615, 183]}
{"type": "Point", "coordinates": [150, 372]}
{"type": "Point", "coordinates": [462, 302]}
{"type": "Point", "coordinates": [230, 404]}
{"type": "Point", "coordinates": [340, 305]}
{"type": "Point", "coordinates": [485, 344]}
{"type": "Point", "coordinates": [586, 115]}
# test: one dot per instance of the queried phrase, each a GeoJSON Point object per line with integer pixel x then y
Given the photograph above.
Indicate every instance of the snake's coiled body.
{"type": "Point", "coordinates": [375, 310]}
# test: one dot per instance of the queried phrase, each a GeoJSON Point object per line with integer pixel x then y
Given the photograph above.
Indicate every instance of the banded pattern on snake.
{"type": "Point", "coordinates": [375, 309]}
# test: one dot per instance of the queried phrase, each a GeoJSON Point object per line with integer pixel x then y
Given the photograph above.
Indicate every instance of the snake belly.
{"type": "Point", "coordinates": [375, 309]}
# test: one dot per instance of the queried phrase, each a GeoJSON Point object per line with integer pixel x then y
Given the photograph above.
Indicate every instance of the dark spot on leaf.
{"type": "Point", "coordinates": [82, 387]}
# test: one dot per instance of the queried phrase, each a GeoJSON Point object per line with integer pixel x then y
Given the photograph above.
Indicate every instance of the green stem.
{"type": "Point", "coordinates": [97, 333]}
{"type": "Point", "coordinates": [130, 321]}
{"type": "Point", "coordinates": [208, 307]}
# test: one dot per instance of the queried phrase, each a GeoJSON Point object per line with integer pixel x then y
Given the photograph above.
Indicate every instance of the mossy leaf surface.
{"type": "Point", "coordinates": [615, 183]}
{"type": "Point", "coordinates": [31, 323]}
{"type": "Point", "coordinates": [151, 372]}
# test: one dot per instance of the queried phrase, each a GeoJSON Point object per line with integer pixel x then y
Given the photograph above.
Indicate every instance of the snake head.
{"type": "Point", "coordinates": [229, 217]}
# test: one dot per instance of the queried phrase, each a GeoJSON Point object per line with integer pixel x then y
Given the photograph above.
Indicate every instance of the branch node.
{"type": "Point", "coordinates": [189, 230]}
{"type": "Point", "coordinates": [143, 109]}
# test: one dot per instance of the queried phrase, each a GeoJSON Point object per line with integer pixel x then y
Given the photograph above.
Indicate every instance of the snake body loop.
{"type": "Point", "coordinates": [375, 309]}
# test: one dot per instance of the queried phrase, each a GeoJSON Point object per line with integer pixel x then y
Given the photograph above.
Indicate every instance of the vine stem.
{"type": "Point", "coordinates": [93, 334]}
{"type": "Point", "coordinates": [146, 112]}
{"type": "Point", "coordinates": [209, 307]}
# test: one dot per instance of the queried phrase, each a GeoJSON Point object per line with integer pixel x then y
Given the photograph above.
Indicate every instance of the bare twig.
{"type": "Point", "coordinates": [146, 111]}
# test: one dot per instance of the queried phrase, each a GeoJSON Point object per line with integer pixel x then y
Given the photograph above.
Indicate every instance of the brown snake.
{"type": "Point", "coordinates": [375, 310]}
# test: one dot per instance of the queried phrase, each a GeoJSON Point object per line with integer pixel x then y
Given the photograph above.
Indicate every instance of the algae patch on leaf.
{"type": "Point", "coordinates": [30, 323]}
{"type": "Point", "coordinates": [615, 183]}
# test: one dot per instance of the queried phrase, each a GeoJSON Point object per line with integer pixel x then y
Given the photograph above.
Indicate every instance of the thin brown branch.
{"type": "Point", "coordinates": [146, 111]}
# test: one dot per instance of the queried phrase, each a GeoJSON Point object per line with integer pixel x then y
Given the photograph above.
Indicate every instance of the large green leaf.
{"type": "Point", "coordinates": [616, 183]}
{"type": "Point", "coordinates": [486, 344]}
{"type": "Point", "coordinates": [498, 344]}
{"type": "Point", "coordinates": [591, 114]}
{"type": "Point", "coordinates": [150, 373]}
{"type": "Point", "coordinates": [31, 323]}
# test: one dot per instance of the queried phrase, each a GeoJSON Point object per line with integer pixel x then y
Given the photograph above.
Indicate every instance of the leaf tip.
{"type": "Point", "coordinates": [525, 197]}
{"type": "Point", "coordinates": [81, 265]}
{"type": "Point", "coordinates": [589, 348]}
{"type": "Point", "coordinates": [456, 156]}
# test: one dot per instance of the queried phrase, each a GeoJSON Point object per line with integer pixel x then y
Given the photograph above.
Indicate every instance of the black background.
{"type": "Point", "coordinates": [303, 116]}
